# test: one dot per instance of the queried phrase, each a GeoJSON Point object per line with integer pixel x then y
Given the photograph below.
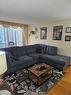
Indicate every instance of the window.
{"type": "Point", "coordinates": [10, 37]}
{"type": "Point", "coordinates": [2, 38]}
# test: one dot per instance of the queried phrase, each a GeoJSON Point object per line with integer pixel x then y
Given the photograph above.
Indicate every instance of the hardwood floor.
{"type": "Point", "coordinates": [63, 87]}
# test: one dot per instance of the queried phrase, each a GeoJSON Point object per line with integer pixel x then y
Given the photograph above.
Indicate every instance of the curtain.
{"type": "Point", "coordinates": [11, 37]}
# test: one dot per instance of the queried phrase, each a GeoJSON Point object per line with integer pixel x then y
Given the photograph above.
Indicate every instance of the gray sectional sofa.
{"type": "Point", "coordinates": [25, 56]}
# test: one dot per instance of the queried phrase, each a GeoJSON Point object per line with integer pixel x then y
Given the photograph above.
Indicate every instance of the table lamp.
{"type": "Point", "coordinates": [3, 65]}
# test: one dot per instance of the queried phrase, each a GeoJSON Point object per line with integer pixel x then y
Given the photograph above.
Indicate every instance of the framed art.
{"type": "Point", "coordinates": [43, 33]}
{"type": "Point", "coordinates": [67, 38]}
{"type": "Point", "coordinates": [68, 29]}
{"type": "Point", "coordinates": [57, 32]}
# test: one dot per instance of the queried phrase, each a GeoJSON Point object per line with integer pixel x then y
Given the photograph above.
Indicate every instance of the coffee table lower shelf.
{"type": "Point", "coordinates": [39, 80]}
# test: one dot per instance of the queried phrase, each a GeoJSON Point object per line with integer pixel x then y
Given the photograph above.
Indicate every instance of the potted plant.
{"type": "Point", "coordinates": [32, 33]}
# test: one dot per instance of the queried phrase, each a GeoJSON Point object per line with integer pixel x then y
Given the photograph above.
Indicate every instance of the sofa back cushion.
{"type": "Point", "coordinates": [22, 51]}
{"type": "Point", "coordinates": [41, 48]}
{"type": "Point", "coordinates": [18, 51]}
{"type": "Point", "coordinates": [51, 50]}
{"type": "Point", "coordinates": [30, 49]}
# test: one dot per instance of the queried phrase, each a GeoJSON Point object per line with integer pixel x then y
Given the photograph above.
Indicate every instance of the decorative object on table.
{"type": "Point", "coordinates": [57, 32]}
{"type": "Point", "coordinates": [3, 65]}
{"type": "Point", "coordinates": [23, 86]}
{"type": "Point", "coordinates": [4, 92]}
{"type": "Point", "coordinates": [11, 43]}
{"type": "Point", "coordinates": [68, 30]}
{"type": "Point", "coordinates": [43, 67]}
{"type": "Point", "coordinates": [67, 38]}
{"type": "Point", "coordinates": [43, 33]}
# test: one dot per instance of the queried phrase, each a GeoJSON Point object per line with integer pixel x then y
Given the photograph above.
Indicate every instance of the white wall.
{"type": "Point", "coordinates": [64, 47]}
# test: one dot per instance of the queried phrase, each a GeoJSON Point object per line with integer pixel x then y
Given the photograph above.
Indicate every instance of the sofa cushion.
{"type": "Point", "coordinates": [22, 51]}
{"type": "Point", "coordinates": [57, 58]}
{"type": "Point", "coordinates": [57, 61]}
{"type": "Point", "coordinates": [26, 61]}
{"type": "Point", "coordinates": [24, 58]}
{"type": "Point", "coordinates": [30, 49]}
{"type": "Point", "coordinates": [51, 50]}
{"type": "Point", "coordinates": [18, 51]}
{"type": "Point", "coordinates": [14, 51]}
{"type": "Point", "coordinates": [41, 48]}
{"type": "Point", "coordinates": [23, 61]}
{"type": "Point", "coordinates": [35, 57]}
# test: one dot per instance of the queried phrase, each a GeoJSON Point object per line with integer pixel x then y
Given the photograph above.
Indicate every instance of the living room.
{"type": "Point", "coordinates": [35, 47]}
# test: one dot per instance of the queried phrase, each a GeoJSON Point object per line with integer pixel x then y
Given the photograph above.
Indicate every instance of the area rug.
{"type": "Point", "coordinates": [23, 86]}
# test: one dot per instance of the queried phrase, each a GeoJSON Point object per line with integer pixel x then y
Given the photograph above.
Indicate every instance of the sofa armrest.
{"type": "Point", "coordinates": [9, 57]}
{"type": "Point", "coordinates": [67, 58]}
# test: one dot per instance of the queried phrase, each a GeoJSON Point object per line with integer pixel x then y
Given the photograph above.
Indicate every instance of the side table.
{"type": "Point", "coordinates": [5, 86]}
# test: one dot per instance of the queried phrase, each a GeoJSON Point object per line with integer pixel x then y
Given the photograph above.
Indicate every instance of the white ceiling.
{"type": "Point", "coordinates": [34, 11]}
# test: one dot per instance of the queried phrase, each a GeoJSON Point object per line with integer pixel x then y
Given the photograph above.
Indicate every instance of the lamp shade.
{"type": "Point", "coordinates": [3, 64]}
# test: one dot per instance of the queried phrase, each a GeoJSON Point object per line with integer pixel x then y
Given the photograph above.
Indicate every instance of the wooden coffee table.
{"type": "Point", "coordinates": [39, 73]}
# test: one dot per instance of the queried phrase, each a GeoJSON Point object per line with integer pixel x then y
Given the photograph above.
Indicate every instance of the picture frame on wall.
{"type": "Point", "coordinates": [68, 30]}
{"type": "Point", "coordinates": [57, 32]}
{"type": "Point", "coordinates": [67, 38]}
{"type": "Point", "coordinates": [43, 33]}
